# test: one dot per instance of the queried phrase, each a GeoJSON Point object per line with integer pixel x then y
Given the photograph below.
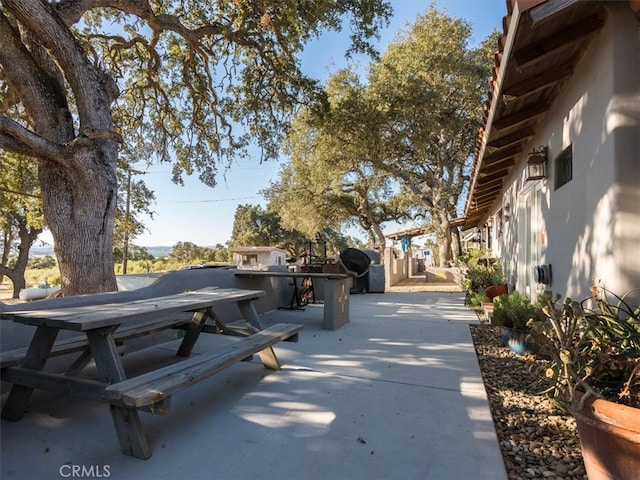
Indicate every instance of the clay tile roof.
{"type": "Point", "coordinates": [542, 42]}
{"type": "Point", "coordinates": [262, 249]}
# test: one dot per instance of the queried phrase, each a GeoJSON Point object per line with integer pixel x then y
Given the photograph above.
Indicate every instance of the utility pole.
{"type": "Point", "coordinates": [127, 216]}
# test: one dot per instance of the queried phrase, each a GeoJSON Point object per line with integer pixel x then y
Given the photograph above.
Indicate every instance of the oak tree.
{"type": "Point", "coordinates": [325, 183]}
{"type": "Point", "coordinates": [416, 118]}
{"type": "Point", "coordinates": [429, 87]}
{"type": "Point", "coordinates": [191, 82]}
{"type": "Point", "coordinates": [21, 217]}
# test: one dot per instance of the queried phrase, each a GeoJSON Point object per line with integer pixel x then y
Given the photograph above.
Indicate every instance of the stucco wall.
{"type": "Point", "coordinates": [277, 290]}
{"type": "Point", "coordinates": [589, 227]}
{"type": "Point", "coordinates": [396, 269]}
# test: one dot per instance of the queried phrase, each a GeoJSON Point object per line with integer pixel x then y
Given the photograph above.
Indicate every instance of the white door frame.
{"type": "Point", "coordinates": [529, 244]}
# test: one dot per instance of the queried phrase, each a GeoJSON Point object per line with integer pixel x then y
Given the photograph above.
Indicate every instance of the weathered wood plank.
{"type": "Point", "coordinates": [130, 432]}
{"type": "Point", "coordinates": [37, 354]}
{"type": "Point", "coordinates": [152, 387]}
{"type": "Point", "coordinates": [194, 327]}
{"type": "Point", "coordinates": [105, 352]}
{"type": "Point", "coordinates": [96, 316]}
{"type": "Point", "coordinates": [126, 331]}
{"type": "Point", "coordinates": [248, 311]}
{"type": "Point", "coordinates": [54, 382]}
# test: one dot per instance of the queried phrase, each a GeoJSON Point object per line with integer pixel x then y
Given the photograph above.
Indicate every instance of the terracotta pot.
{"type": "Point", "coordinates": [496, 290]}
{"type": "Point", "coordinates": [487, 308]}
{"type": "Point", "coordinates": [610, 439]}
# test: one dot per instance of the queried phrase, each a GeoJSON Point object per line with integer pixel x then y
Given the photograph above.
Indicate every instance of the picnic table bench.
{"type": "Point", "coordinates": [104, 326]}
{"type": "Point", "coordinates": [336, 292]}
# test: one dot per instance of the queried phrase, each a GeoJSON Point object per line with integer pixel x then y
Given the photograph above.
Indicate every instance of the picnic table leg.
{"type": "Point", "coordinates": [249, 313]}
{"type": "Point", "coordinates": [267, 356]}
{"type": "Point", "coordinates": [37, 354]}
{"type": "Point", "coordinates": [269, 359]}
{"type": "Point", "coordinates": [110, 370]}
{"type": "Point", "coordinates": [130, 432]}
{"type": "Point", "coordinates": [193, 332]}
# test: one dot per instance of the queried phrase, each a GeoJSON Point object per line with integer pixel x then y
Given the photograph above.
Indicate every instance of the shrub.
{"type": "Point", "coordinates": [592, 347]}
{"type": "Point", "coordinates": [515, 310]}
{"type": "Point", "coordinates": [480, 272]}
{"type": "Point", "coordinates": [478, 278]}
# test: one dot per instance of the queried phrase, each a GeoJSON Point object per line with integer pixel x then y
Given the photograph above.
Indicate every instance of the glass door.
{"type": "Point", "coordinates": [529, 248]}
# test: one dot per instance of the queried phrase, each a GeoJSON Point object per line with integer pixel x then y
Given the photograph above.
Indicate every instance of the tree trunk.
{"type": "Point", "coordinates": [80, 206]}
{"type": "Point", "coordinates": [456, 245]}
{"type": "Point", "coordinates": [27, 237]}
{"type": "Point", "coordinates": [443, 237]}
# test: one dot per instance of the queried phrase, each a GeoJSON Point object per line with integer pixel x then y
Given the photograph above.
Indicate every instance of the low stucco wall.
{"type": "Point", "coordinates": [440, 275]}
{"type": "Point", "coordinates": [277, 291]}
{"type": "Point", "coordinates": [396, 269]}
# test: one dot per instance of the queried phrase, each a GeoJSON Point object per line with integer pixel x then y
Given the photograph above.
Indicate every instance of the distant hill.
{"type": "Point", "coordinates": [159, 251]}
{"type": "Point", "coordinates": [42, 251]}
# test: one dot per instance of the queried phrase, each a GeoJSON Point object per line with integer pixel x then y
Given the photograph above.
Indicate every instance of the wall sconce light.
{"type": "Point", "coordinates": [537, 164]}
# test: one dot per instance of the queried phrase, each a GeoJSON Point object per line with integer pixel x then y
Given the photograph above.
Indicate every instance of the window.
{"type": "Point", "coordinates": [564, 167]}
{"type": "Point", "coordinates": [249, 259]}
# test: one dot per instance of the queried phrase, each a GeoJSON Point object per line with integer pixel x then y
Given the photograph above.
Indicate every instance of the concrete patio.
{"type": "Point", "coordinates": [394, 394]}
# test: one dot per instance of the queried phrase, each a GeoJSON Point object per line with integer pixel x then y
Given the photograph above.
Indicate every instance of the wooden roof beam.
{"type": "Point", "coordinates": [549, 46]}
{"type": "Point", "coordinates": [521, 116]}
{"type": "Point", "coordinates": [482, 182]}
{"type": "Point", "coordinates": [489, 186]}
{"type": "Point", "coordinates": [511, 139]}
{"type": "Point", "coordinates": [498, 167]}
{"type": "Point", "coordinates": [502, 154]}
{"type": "Point", "coordinates": [488, 191]}
{"type": "Point", "coordinates": [539, 82]}
{"type": "Point", "coordinates": [484, 205]}
{"type": "Point", "coordinates": [492, 195]}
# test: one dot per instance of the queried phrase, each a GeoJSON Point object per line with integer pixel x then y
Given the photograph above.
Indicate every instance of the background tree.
{"type": "Point", "coordinates": [187, 252]}
{"type": "Point", "coordinates": [255, 226]}
{"type": "Point", "coordinates": [193, 81]}
{"type": "Point", "coordinates": [417, 117]}
{"type": "Point", "coordinates": [430, 87]}
{"type": "Point", "coordinates": [136, 253]}
{"type": "Point", "coordinates": [21, 217]}
{"type": "Point", "coordinates": [134, 200]}
{"type": "Point", "coordinates": [326, 183]}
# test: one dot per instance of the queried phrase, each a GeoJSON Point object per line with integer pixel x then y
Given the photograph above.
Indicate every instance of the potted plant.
{"type": "Point", "coordinates": [513, 312]}
{"type": "Point", "coordinates": [496, 290]}
{"type": "Point", "coordinates": [591, 368]}
{"type": "Point", "coordinates": [480, 274]}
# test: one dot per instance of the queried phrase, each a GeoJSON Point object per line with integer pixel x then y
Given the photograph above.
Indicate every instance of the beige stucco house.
{"type": "Point", "coordinates": [565, 89]}
{"type": "Point", "coordinates": [255, 258]}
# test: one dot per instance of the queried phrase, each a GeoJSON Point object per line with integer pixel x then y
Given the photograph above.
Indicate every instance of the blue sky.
{"type": "Point", "coordinates": [204, 216]}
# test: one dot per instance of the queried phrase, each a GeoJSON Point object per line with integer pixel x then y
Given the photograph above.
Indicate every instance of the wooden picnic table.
{"type": "Point", "coordinates": [104, 326]}
{"type": "Point", "coordinates": [336, 292]}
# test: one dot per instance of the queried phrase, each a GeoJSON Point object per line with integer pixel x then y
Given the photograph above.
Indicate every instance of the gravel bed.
{"type": "Point", "coordinates": [537, 440]}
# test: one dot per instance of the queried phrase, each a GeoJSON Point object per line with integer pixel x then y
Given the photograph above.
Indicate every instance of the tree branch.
{"type": "Point", "coordinates": [86, 81]}
{"type": "Point", "coordinates": [15, 138]}
{"type": "Point", "coordinates": [38, 91]}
